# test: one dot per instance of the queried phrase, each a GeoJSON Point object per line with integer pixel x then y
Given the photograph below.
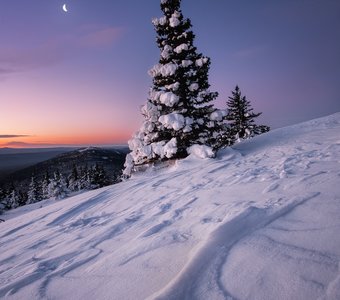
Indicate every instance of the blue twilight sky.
{"type": "Point", "coordinates": [80, 77]}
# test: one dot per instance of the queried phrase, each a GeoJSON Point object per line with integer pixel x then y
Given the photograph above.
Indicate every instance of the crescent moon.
{"type": "Point", "coordinates": [65, 8]}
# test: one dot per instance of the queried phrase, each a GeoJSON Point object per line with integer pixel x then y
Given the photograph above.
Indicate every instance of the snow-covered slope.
{"type": "Point", "coordinates": [261, 221]}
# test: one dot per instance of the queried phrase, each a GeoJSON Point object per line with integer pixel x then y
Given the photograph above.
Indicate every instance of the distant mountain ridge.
{"type": "Point", "coordinates": [109, 160]}
{"type": "Point", "coordinates": [112, 159]}
{"type": "Point", "coordinates": [13, 159]}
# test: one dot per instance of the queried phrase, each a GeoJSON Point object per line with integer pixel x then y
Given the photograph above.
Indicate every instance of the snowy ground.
{"type": "Point", "coordinates": [261, 221]}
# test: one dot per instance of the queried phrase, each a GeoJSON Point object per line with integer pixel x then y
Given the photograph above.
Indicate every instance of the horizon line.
{"type": "Point", "coordinates": [65, 146]}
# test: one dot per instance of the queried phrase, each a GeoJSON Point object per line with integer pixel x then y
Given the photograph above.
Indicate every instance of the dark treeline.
{"type": "Point", "coordinates": [56, 186]}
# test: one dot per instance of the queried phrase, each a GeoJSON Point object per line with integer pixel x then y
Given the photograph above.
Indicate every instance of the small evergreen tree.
{"type": "Point", "coordinates": [2, 194]}
{"type": "Point", "coordinates": [52, 186]}
{"type": "Point", "coordinates": [57, 186]}
{"type": "Point", "coordinates": [44, 186]}
{"type": "Point", "coordinates": [241, 118]}
{"type": "Point", "coordinates": [102, 178]}
{"type": "Point", "coordinates": [73, 179]}
{"type": "Point", "coordinates": [85, 178]}
{"type": "Point", "coordinates": [62, 190]}
{"type": "Point", "coordinates": [33, 193]}
{"type": "Point", "coordinates": [178, 112]}
{"type": "Point", "coordinates": [13, 199]}
{"type": "Point", "coordinates": [3, 203]}
{"type": "Point", "coordinates": [98, 177]}
{"type": "Point", "coordinates": [6, 199]}
{"type": "Point", "coordinates": [225, 136]}
{"type": "Point", "coordinates": [91, 178]}
{"type": "Point", "coordinates": [22, 195]}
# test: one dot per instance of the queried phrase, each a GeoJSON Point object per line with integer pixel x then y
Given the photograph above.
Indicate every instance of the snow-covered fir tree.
{"type": "Point", "coordinates": [45, 186]}
{"type": "Point", "coordinates": [73, 179]}
{"type": "Point", "coordinates": [34, 192]}
{"type": "Point", "coordinates": [3, 202]}
{"type": "Point", "coordinates": [225, 136]}
{"type": "Point", "coordinates": [62, 188]}
{"type": "Point", "coordinates": [57, 187]}
{"type": "Point", "coordinates": [241, 118]}
{"type": "Point", "coordinates": [13, 199]}
{"type": "Point", "coordinates": [6, 199]}
{"type": "Point", "coordinates": [85, 178]}
{"type": "Point", "coordinates": [98, 177]}
{"type": "Point", "coordinates": [179, 111]}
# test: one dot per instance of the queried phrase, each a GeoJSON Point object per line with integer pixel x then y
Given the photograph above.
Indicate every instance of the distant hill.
{"type": "Point", "coordinates": [111, 159]}
{"type": "Point", "coordinates": [12, 160]}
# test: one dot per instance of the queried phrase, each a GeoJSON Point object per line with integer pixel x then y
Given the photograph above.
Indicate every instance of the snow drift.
{"type": "Point", "coordinates": [259, 221]}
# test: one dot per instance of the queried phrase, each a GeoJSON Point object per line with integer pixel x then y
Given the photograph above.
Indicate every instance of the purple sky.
{"type": "Point", "coordinates": [80, 77]}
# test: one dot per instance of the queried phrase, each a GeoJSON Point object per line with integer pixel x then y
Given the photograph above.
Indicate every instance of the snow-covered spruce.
{"type": "Point", "coordinates": [241, 117]}
{"type": "Point", "coordinates": [34, 193]}
{"type": "Point", "coordinates": [179, 111]}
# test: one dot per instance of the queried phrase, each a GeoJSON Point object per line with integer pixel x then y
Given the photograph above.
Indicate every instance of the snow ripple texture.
{"type": "Point", "coordinates": [260, 221]}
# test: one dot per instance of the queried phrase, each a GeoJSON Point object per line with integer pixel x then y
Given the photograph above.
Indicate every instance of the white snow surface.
{"type": "Point", "coordinates": [166, 51]}
{"type": "Point", "coordinates": [201, 151]}
{"type": "Point", "coordinates": [163, 149]}
{"type": "Point", "coordinates": [168, 98]}
{"type": "Point", "coordinates": [161, 21]}
{"type": "Point", "coordinates": [193, 87]}
{"type": "Point", "coordinates": [186, 63]}
{"type": "Point", "coordinates": [182, 47]}
{"type": "Point", "coordinates": [201, 61]}
{"type": "Point", "coordinates": [259, 221]}
{"type": "Point", "coordinates": [164, 70]}
{"type": "Point", "coordinates": [218, 115]}
{"type": "Point", "coordinates": [172, 121]}
{"type": "Point", "coordinates": [174, 21]}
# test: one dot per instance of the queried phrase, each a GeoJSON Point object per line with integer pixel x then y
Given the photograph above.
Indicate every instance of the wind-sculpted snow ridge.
{"type": "Point", "coordinates": [259, 221]}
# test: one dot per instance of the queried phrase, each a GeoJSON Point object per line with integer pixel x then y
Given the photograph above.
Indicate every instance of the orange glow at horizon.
{"type": "Point", "coordinates": [71, 140]}
{"type": "Point", "coordinates": [50, 115]}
